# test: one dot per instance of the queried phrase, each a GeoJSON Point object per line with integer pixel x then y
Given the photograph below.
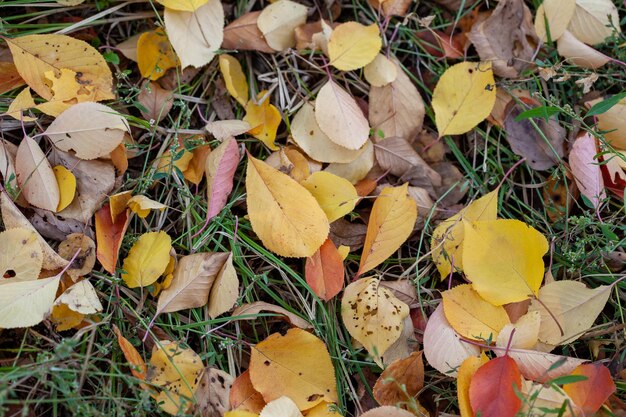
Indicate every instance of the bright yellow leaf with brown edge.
{"type": "Point", "coordinates": [66, 91]}
{"type": "Point", "coordinates": [284, 215]}
{"type": "Point", "coordinates": [471, 316]}
{"type": "Point", "coordinates": [447, 239]}
{"type": "Point", "coordinates": [504, 259]}
{"type": "Point", "coordinates": [34, 55]}
{"type": "Point", "coordinates": [466, 371]}
{"type": "Point", "coordinates": [324, 409]}
{"type": "Point", "coordinates": [141, 205]}
{"type": "Point", "coordinates": [183, 5]}
{"type": "Point", "coordinates": [177, 370]}
{"type": "Point", "coordinates": [264, 119]}
{"type": "Point", "coordinates": [335, 195]}
{"type": "Point", "coordinates": [67, 186]}
{"type": "Point", "coordinates": [296, 365]}
{"type": "Point", "coordinates": [234, 78]}
{"type": "Point", "coordinates": [353, 45]}
{"type": "Point", "coordinates": [373, 315]}
{"type": "Point", "coordinates": [147, 259]}
{"type": "Point", "coordinates": [65, 318]}
{"type": "Point", "coordinates": [463, 97]}
{"type": "Point", "coordinates": [391, 222]}
{"type": "Point", "coordinates": [155, 54]}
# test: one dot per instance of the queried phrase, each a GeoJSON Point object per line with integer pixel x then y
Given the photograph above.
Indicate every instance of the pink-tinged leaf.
{"type": "Point", "coordinates": [493, 388]}
{"type": "Point", "coordinates": [542, 366]}
{"type": "Point", "coordinates": [591, 393]}
{"type": "Point", "coordinates": [324, 271]}
{"type": "Point", "coordinates": [221, 165]}
{"type": "Point", "coordinates": [586, 170]}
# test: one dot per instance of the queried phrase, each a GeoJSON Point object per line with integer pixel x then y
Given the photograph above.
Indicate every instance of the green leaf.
{"type": "Point", "coordinates": [605, 105]}
{"type": "Point", "coordinates": [568, 379]}
{"type": "Point", "coordinates": [543, 112]}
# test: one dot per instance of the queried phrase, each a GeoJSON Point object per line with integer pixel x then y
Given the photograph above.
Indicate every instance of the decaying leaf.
{"type": "Point", "coordinates": [84, 261]}
{"type": "Point", "coordinates": [398, 157]}
{"type": "Point", "coordinates": [81, 298]}
{"type": "Point", "coordinates": [401, 381]}
{"type": "Point", "coordinates": [156, 101]}
{"type": "Point", "coordinates": [213, 393]}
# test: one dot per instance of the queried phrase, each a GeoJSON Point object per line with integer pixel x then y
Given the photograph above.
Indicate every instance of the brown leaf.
{"type": "Point", "coordinates": [86, 258]}
{"type": "Point", "coordinates": [54, 227]}
{"type": "Point", "coordinates": [408, 372]}
{"type": "Point", "coordinates": [213, 392]}
{"type": "Point", "coordinates": [507, 38]}
{"type": "Point", "coordinates": [156, 101]}
{"type": "Point", "coordinates": [391, 7]}
{"type": "Point", "coordinates": [9, 77]}
{"type": "Point", "coordinates": [451, 177]}
{"type": "Point", "coordinates": [244, 397]}
{"type": "Point", "coordinates": [252, 309]}
{"type": "Point", "coordinates": [399, 158]}
{"type": "Point", "coordinates": [244, 34]}
{"type": "Point", "coordinates": [342, 232]}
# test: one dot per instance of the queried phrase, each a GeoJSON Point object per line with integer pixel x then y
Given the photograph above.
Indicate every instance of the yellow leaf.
{"type": "Point", "coordinates": [344, 251]}
{"type": "Point", "coordinates": [391, 222]}
{"type": "Point", "coordinates": [65, 318]}
{"type": "Point", "coordinates": [141, 205]}
{"type": "Point", "coordinates": [296, 365]}
{"type": "Point", "coordinates": [323, 410]}
{"type": "Point", "coordinates": [240, 413]}
{"type": "Point", "coordinates": [353, 45]}
{"type": "Point", "coordinates": [118, 203]}
{"type": "Point", "coordinates": [66, 91]}
{"type": "Point", "coordinates": [177, 371]}
{"type": "Point", "coordinates": [466, 371]}
{"type": "Point", "coordinates": [373, 315]}
{"type": "Point", "coordinates": [67, 186]}
{"type": "Point", "coordinates": [447, 239]}
{"type": "Point", "coordinates": [21, 256]}
{"type": "Point", "coordinates": [155, 54]}
{"type": "Point", "coordinates": [503, 259]}
{"type": "Point", "coordinates": [81, 298]}
{"type": "Point", "coordinates": [26, 303]}
{"type": "Point", "coordinates": [225, 289]}
{"type": "Point", "coordinates": [463, 97]}
{"type": "Point", "coordinates": [34, 55]}
{"type": "Point", "coordinates": [381, 71]}
{"type": "Point", "coordinates": [526, 332]}
{"type": "Point", "coordinates": [234, 78]}
{"type": "Point", "coordinates": [335, 195]}
{"type": "Point", "coordinates": [471, 316]}
{"type": "Point", "coordinates": [35, 176]}
{"type": "Point", "coordinates": [278, 21]}
{"type": "Point", "coordinates": [184, 5]}
{"type": "Point", "coordinates": [340, 117]}
{"type": "Point", "coordinates": [147, 259]}
{"type": "Point", "coordinates": [264, 119]}
{"type": "Point", "coordinates": [22, 102]}
{"type": "Point", "coordinates": [284, 215]}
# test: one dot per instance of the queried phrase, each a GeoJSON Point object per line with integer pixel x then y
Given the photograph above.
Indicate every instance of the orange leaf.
{"type": "Point", "coordinates": [401, 381]}
{"type": "Point", "coordinates": [492, 390]}
{"type": "Point", "coordinates": [591, 393]}
{"type": "Point", "coordinates": [137, 366]}
{"type": "Point", "coordinates": [109, 236]}
{"type": "Point", "coordinates": [324, 271]}
{"type": "Point", "coordinates": [244, 397]}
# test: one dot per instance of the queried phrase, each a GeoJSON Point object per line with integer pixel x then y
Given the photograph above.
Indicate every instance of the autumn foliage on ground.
{"type": "Point", "coordinates": [291, 208]}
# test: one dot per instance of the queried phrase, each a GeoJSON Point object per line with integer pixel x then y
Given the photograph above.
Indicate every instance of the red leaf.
{"type": "Point", "coordinates": [324, 271]}
{"type": "Point", "coordinates": [586, 170]}
{"type": "Point", "coordinates": [220, 171]}
{"type": "Point", "coordinates": [493, 386]}
{"type": "Point", "coordinates": [591, 393]}
{"type": "Point", "coordinates": [109, 236]}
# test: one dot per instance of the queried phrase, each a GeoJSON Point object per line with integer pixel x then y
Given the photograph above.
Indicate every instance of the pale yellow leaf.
{"type": "Point", "coordinates": [390, 224]}
{"type": "Point", "coordinates": [234, 78]}
{"type": "Point", "coordinates": [196, 35]}
{"type": "Point", "coordinates": [224, 129]}
{"type": "Point", "coordinates": [463, 97]}
{"type": "Point", "coordinates": [22, 102]}
{"type": "Point", "coordinates": [516, 273]}
{"type": "Point", "coordinates": [373, 315]}
{"type": "Point", "coordinates": [594, 21]}
{"type": "Point", "coordinates": [381, 71]}
{"type": "Point", "coordinates": [225, 289]}
{"type": "Point", "coordinates": [81, 298]}
{"type": "Point", "coordinates": [340, 117]}
{"type": "Point", "coordinates": [35, 176]}
{"type": "Point", "coordinates": [82, 249]}
{"type": "Point", "coordinates": [21, 257]}
{"type": "Point", "coordinates": [26, 303]}
{"type": "Point", "coordinates": [147, 259]}
{"type": "Point", "coordinates": [577, 53]}
{"type": "Point", "coordinates": [387, 411]}
{"type": "Point", "coordinates": [183, 5]}
{"type": "Point", "coordinates": [335, 195]}
{"type": "Point", "coordinates": [558, 14]}
{"type": "Point", "coordinates": [526, 332]}
{"type": "Point", "coordinates": [284, 215]}
{"type": "Point", "coordinates": [353, 45]}
{"type": "Point", "coordinates": [541, 367]}
{"type": "Point", "coordinates": [278, 21]}
{"type": "Point", "coordinates": [281, 407]}
{"type": "Point", "coordinates": [141, 205]}
{"type": "Point", "coordinates": [356, 170]}
{"type": "Point", "coordinates": [67, 186]}
{"type": "Point", "coordinates": [251, 310]}
{"type": "Point", "coordinates": [613, 122]}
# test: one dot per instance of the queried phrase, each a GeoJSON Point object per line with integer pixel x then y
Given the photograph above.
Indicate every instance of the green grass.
{"type": "Point", "coordinates": [83, 373]}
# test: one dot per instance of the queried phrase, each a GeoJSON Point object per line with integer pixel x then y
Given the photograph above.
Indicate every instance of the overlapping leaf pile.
{"type": "Point", "coordinates": [291, 144]}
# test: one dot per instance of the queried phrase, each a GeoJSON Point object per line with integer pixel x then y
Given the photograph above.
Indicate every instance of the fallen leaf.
{"type": "Point", "coordinates": [335, 195]}
{"type": "Point", "coordinates": [220, 168]}
{"type": "Point", "coordinates": [66, 91]}
{"type": "Point", "coordinates": [594, 21]}
{"type": "Point", "coordinates": [142, 205]}
{"type": "Point", "coordinates": [284, 215]}
{"type": "Point", "coordinates": [568, 309]}
{"type": "Point", "coordinates": [381, 71]}
{"type": "Point", "coordinates": [243, 396]}
{"type": "Point", "coordinates": [278, 21]}
{"type": "Point", "coordinates": [540, 366]}
{"type": "Point", "coordinates": [372, 315]}
{"type": "Point", "coordinates": [585, 169]}
{"type": "Point", "coordinates": [387, 411]}
{"type": "Point", "coordinates": [466, 371]}
{"type": "Point", "coordinates": [147, 259]}
{"type": "Point", "coordinates": [183, 5]}
{"type": "Point", "coordinates": [591, 393]}
{"type": "Point", "coordinates": [244, 34]}
{"type": "Point", "coordinates": [557, 14]}
{"type": "Point", "coordinates": [156, 102]}
{"type": "Point", "coordinates": [401, 381]}
{"type": "Point", "coordinates": [324, 409]}
{"type": "Point", "coordinates": [21, 257]}
{"type": "Point", "coordinates": [539, 398]}
{"type": "Point", "coordinates": [391, 7]}
{"type": "Point", "coordinates": [26, 303]}
{"type": "Point", "coordinates": [526, 334]}
{"type": "Point", "coordinates": [155, 54]}
{"type": "Point", "coordinates": [225, 289]}
{"type": "Point", "coordinates": [81, 298]}
{"type": "Point", "coordinates": [517, 272]}
{"type": "Point", "coordinates": [398, 157]}
{"type": "Point", "coordinates": [22, 102]}
{"type": "Point", "coordinates": [494, 386]}
{"type": "Point", "coordinates": [507, 39]}
{"type": "Point", "coordinates": [613, 122]}
{"type": "Point", "coordinates": [9, 77]}
{"type": "Point", "coordinates": [463, 97]}
{"type": "Point", "coordinates": [224, 129]}
{"type": "Point", "coordinates": [340, 118]}
{"type": "Point", "coordinates": [443, 347]}
{"type": "Point", "coordinates": [578, 53]}
{"type": "Point", "coordinates": [358, 169]}
{"type": "Point", "coordinates": [252, 309]}
{"type": "Point", "coordinates": [34, 55]}
{"type": "Point", "coordinates": [296, 365]}
{"type": "Point", "coordinates": [213, 393]}
{"type": "Point", "coordinates": [67, 186]}
{"type": "Point", "coordinates": [35, 176]}
{"type": "Point", "coordinates": [234, 78]}
{"type": "Point", "coordinates": [281, 407]}
{"type": "Point", "coordinates": [352, 45]}
{"type": "Point", "coordinates": [264, 118]}
{"type": "Point", "coordinates": [83, 249]}
{"type": "Point", "coordinates": [91, 130]}
{"type": "Point", "coordinates": [137, 365]}
{"type": "Point", "coordinates": [324, 271]}
{"type": "Point", "coordinates": [471, 316]}
{"type": "Point", "coordinates": [390, 224]}
{"type": "Point", "coordinates": [196, 35]}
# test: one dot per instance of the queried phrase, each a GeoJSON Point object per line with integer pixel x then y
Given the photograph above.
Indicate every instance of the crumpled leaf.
{"type": "Point", "coordinates": [353, 45]}
{"type": "Point", "coordinates": [147, 259]}
{"type": "Point", "coordinates": [142, 205]}
{"type": "Point", "coordinates": [81, 298]}
{"type": "Point", "coordinates": [373, 315]}
{"type": "Point", "coordinates": [85, 259]}
{"type": "Point", "coordinates": [213, 393]}
{"type": "Point", "coordinates": [296, 365]}
{"type": "Point", "coordinates": [264, 118]}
